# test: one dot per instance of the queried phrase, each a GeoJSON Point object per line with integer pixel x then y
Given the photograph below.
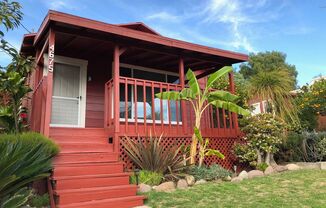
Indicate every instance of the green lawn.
{"type": "Point", "coordinates": [304, 188]}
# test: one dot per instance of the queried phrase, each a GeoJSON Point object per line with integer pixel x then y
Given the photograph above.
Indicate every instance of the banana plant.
{"type": "Point", "coordinates": [200, 99]}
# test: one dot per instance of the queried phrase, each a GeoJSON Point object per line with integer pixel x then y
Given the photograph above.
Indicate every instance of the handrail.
{"type": "Point", "coordinates": [51, 193]}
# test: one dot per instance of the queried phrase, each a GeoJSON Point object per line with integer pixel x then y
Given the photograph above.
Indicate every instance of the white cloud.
{"type": "Point", "coordinates": [230, 13]}
{"type": "Point", "coordinates": [61, 5]}
{"type": "Point", "coordinates": [164, 16]}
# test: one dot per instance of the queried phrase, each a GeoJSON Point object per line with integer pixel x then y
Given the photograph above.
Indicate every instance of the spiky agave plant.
{"type": "Point", "coordinates": [149, 154]}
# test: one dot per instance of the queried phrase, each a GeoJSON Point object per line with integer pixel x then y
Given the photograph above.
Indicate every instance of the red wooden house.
{"type": "Point", "coordinates": [95, 82]}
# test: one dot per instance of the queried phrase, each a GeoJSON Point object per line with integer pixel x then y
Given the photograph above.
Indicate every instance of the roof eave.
{"type": "Point", "coordinates": [114, 29]}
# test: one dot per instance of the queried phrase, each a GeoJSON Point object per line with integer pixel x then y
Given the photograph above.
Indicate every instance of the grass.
{"type": "Point", "coordinates": [304, 188]}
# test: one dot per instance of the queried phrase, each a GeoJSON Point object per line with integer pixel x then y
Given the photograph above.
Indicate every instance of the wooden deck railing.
{"type": "Point", "coordinates": [38, 106]}
{"type": "Point", "coordinates": [140, 111]}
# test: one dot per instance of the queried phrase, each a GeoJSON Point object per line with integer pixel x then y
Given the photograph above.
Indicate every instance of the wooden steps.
{"type": "Point", "coordinates": [87, 173]}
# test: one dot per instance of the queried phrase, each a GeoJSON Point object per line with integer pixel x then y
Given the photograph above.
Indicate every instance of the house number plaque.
{"type": "Point", "coordinates": [51, 58]}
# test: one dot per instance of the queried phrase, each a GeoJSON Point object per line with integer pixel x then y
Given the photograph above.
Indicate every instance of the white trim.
{"type": "Point", "coordinates": [82, 64]}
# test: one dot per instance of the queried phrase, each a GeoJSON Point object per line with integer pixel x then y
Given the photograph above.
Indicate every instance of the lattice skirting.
{"type": "Point", "coordinates": [224, 145]}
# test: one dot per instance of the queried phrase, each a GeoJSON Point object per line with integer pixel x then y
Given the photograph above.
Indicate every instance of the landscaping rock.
{"type": "Point", "coordinates": [144, 188]}
{"type": "Point", "coordinates": [255, 173]}
{"type": "Point", "coordinates": [166, 187]}
{"type": "Point", "coordinates": [182, 184]}
{"type": "Point", "coordinates": [236, 179]}
{"type": "Point", "coordinates": [190, 180]}
{"type": "Point", "coordinates": [227, 178]}
{"type": "Point", "coordinates": [243, 175]}
{"type": "Point", "coordinates": [280, 168]}
{"type": "Point", "coordinates": [269, 170]}
{"type": "Point", "coordinates": [201, 181]}
{"type": "Point", "coordinates": [322, 165]}
{"type": "Point", "coordinates": [292, 167]}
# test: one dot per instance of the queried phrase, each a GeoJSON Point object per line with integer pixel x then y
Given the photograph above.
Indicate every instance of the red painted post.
{"type": "Point", "coordinates": [232, 90]}
{"type": "Point", "coordinates": [48, 104]}
{"type": "Point", "coordinates": [116, 97]}
{"type": "Point", "coordinates": [116, 87]}
{"type": "Point", "coordinates": [182, 83]}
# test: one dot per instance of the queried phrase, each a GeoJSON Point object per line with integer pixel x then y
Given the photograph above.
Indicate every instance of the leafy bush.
{"type": "Point", "coordinates": [262, 166]}
{"type": "Point", "coordinates": [152, 156]}
{"type": "Point", "coordinates": [147, 177]}
{"type": "Point", "coordinates": [321, 149]}
{"type": "Point", "coordinates": [39, 201]}
{"type": "Point", "coordinates": [263, 134]}
{"type": "Point", "coordinates": [24, 158]}
{"type": "Point", "coordinates": [213, 172]}
{"type": "Point", "coordinates": [305, 147]}
{"type": "Point", "coordinates": [245, 154]}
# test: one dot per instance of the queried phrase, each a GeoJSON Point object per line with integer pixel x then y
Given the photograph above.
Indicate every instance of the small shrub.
{"type": "Point", "coordinates": [147, 177]}
{"type": "Point", "coordinates": [213, 172]}
{"type": "Point", "coordinates": [321, 149]}
{"type": "Point", "coordinates": [39, 201]}
{"type": "Point", "coordinates": [262, 166]}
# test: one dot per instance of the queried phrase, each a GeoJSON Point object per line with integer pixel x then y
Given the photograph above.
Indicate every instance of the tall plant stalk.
{"type": "Point", "coordinates": [200, 99]}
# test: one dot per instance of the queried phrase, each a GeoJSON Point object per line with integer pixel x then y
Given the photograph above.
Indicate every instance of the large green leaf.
{"type": "Point", "coordinates": [214, 152]}
{"type": "Point", "coordinates": [216, 75]}
{"type": "Point", "coordinates": [222, 95]}
{"type": "Point", "coordinates": [193, 82]}
{"type": "Point", "coordinates": [170, 95]}
{"type": "Point", "coordinates": [230, 107]}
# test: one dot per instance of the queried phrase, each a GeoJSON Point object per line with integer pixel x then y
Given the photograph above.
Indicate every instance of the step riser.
{"type": "Point", "coordinates": [85, 158]}
{"type": "Point", "coordinates": [93, 139]}
{"type": "Point", "coordinates": [67, 198]}
{"type": "Point", "coordinates": [117, 204]}
{"type": "Point", "coordinates": [87, 170]}
{"type": "Point", "coordinates": [70, 148]}
{"type": "Point", "coordinates": [91, 182]}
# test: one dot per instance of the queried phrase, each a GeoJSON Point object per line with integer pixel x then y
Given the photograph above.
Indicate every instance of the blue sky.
{"type": "Point", "coordinates": [297, 28]}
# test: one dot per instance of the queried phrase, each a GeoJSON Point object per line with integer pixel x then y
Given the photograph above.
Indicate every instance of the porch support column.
{"type": "Point", "coordinates": [232, 90]}
{"type": "Point", "coordinates": [182, 83]}
{"type": "Point", "coordinates": [49, 83]}
{"type": "Point", "coordinates": [116, 98]}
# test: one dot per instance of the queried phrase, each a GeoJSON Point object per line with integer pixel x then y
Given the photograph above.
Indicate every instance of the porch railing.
{"type": "Point", "coordinates": [140, 111]}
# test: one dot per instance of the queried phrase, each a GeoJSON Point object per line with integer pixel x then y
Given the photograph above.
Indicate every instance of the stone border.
{"type": "Point", "coordinates": [311, 165]}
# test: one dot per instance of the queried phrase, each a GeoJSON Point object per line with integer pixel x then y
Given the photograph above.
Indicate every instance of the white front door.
{"type": "Point", "coordinates": [69, 95]}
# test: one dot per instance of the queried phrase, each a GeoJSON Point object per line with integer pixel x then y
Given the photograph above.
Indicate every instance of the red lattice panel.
{"type": "Point", "coordinates": [224, 145]}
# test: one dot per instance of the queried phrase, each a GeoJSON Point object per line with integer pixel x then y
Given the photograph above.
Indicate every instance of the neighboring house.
{"type": "Point", "coordinates": [95, 83]}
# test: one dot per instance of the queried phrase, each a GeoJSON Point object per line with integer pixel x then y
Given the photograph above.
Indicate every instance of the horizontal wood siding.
{"type": "Point", "coordinates": [99, 71]}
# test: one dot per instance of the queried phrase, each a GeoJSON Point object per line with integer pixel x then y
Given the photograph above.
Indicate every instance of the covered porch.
{"type": "Point", "coordinates": [120, 69]}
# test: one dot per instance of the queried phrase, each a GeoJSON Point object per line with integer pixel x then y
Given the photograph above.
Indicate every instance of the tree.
{"type": "Point", "coordinates": [200, 99]}
{"type": "Point", "coordinates": [13, 77]}
{"type": "Point", "coordinates": [267, 62]}
{"type": "Point", "coordinates": [10, 15]}
{"type": "Point", "coordinates": [311, 102]}
{"type": "Point", "coordinates": [274, 87]}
